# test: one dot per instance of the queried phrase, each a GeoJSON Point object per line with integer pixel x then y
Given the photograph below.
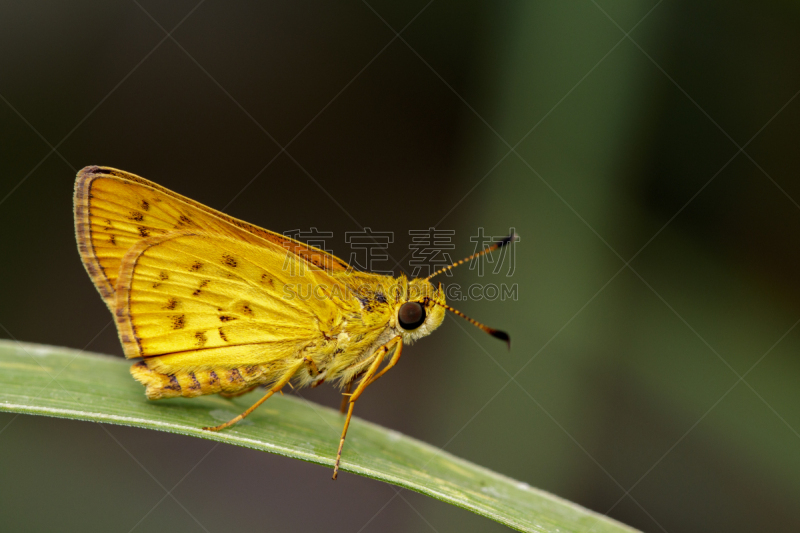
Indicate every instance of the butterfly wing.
{"type": "Point", "coordinates": [190, 301]}
{"type": "Point", "coordinates": [115, 211]}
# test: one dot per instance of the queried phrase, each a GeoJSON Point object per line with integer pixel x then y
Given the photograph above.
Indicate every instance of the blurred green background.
{"type": "Point", "coordinates": [646, 153]}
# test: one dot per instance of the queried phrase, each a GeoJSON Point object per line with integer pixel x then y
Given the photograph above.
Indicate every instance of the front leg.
{"type": "Point", "coordinates": [380, 353]}
{"type": "Point", "coordinates": [396, 357]}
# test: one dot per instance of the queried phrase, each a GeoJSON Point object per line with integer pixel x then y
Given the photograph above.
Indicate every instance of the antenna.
{"type": "Point", "coordinates": [496, 333]}
{"type": "Point", "coordinates": [490, 249]}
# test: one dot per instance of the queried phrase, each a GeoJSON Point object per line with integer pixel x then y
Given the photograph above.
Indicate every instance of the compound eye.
{"type": "Point", "coordinates": [411, 315]}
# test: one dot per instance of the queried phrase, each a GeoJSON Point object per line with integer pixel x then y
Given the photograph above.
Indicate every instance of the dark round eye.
{"type": "Point", "coordinates": [411, 315]}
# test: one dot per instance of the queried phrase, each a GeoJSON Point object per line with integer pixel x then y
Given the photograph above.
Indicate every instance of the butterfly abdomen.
{"type": "Point", "coordinates": [197, 383]}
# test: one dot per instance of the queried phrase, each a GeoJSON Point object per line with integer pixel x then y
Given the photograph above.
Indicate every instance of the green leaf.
{"type": "Point", "coordinates": [52, 381]}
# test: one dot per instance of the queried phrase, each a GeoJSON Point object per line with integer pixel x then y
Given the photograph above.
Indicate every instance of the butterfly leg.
{"type": "Point", "coordinates": [346, 396]}
{"type": "Point", "coordinates": [380, 353]}
{"type": "Point", "coordinates": [390, 364]}
{"type": "Point", "coordinates": [275, 388]}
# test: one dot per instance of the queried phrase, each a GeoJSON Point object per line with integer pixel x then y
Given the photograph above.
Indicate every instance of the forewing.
{"type": "Point", "coordinates": [194, 300]}
{"type": "Point", "coordinates": [115, 211]}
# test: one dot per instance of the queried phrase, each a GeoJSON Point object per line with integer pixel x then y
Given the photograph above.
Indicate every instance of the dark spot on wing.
{"type": "Point", "coordinates": [173, 384]}
{"type": "Point", "coordinates": [112, 239]}
{"type": "Point", "coordinates": [197, 265]}
{"type": "Point", "coordinates": [226, 318]}
{"type": "Point", "coordinates": [163, 276]}
{"type": "Point", "coordinates": [379, 297]}
{"type": "Point", "coordinates": [200, 338]}
{"type": "Point", "coordinates": [213, 378]}
{"type": "Point", "coordinates": [178, 321]}
{"type": "Point", "coordinates": [185, 220]}
{"type": "Point", "coordinates": [229, 260]}
{"type": "Point", "coordinates": [145, 206]}
{"type": "Point", "coordinates": [195, 384]}
{"type": "Point", "coordinates": [200, 289]}
{"type": "Point", "coordinates": [143, 232]}
{"type": "Point", "coordinates": [234, 376]}
{"type": "Point", "coordinates": [136, 216]}
{"type": "Point", "coordinates": [246, 310]}
{"type": "Point", "coordinates": [250, 371]}
{"type": "Point", "coordinates": [222, 335]}
{"type": "Point", "coordinates": [172, 303]}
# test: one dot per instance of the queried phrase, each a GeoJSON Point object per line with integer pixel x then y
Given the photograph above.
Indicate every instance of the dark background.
{"type": "Point", "coordinates": [653, 179]}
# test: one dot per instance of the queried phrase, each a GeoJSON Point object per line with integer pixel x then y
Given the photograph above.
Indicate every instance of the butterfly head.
{"type": "Point", "coordinates": [420, 311]}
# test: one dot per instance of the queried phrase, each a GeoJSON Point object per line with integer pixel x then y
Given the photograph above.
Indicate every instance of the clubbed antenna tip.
{"type": "Point", "coordinates": [502, 335]}
{"type": "Point", "coordinates": [510, 238]}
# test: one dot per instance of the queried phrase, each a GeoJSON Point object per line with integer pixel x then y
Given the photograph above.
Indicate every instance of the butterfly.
{"type": "Point", "coordinates": [214, 305]}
